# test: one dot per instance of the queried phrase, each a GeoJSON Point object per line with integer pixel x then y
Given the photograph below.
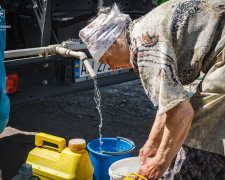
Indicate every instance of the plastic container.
{"type": "Point", "coordinates": [122, 168]}
{"type": "Point", "coordinates": [25, 173]}
{"type": "Point", "coordinates": [62, 163]}
{"type": "Point", "coordinates": [113, 149]}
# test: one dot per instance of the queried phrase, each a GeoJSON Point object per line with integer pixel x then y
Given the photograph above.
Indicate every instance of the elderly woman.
{"type": "Point", "coordinates": [168, 48]}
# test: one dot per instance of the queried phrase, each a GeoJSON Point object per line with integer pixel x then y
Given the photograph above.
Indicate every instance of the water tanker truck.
{"type": "Point", "coordinates": [42, 43]}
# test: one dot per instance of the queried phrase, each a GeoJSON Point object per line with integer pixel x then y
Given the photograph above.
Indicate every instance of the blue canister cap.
{"type": "Point", "coordinates": [26, 169]}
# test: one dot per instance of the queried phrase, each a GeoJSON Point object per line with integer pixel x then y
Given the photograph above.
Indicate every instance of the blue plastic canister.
{"type": "Point", "coordinates": [113, 149]}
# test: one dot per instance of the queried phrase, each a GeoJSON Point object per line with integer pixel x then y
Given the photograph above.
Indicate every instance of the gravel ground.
{"type": "Point", "coordinates": [126, 110]}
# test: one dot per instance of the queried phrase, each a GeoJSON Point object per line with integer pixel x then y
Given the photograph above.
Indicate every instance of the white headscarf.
{"type": "Point", "coordinates": [99, 35]}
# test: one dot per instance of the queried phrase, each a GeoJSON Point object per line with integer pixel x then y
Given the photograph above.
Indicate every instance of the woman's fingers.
{"type": "Point", "coordinates": [136, 177]}
{"type": "Point", "coordinates": [141, 152]}
{"type": "Point", "coordinates": [144, 159]}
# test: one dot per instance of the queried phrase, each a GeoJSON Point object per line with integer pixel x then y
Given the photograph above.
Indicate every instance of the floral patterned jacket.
{"type": "Point", "coordinates": [172, 44]}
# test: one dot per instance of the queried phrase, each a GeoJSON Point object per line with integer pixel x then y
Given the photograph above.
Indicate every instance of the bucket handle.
{"type": "Point", "coordinates": [135, 175]}
{"type": "Point", "coordinates": [41, 137]}
{"type": "Point", "coordinates": [123, 152]}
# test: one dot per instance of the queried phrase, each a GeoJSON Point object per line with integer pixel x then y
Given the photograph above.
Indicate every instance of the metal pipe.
{"type": "Point", "coordinates": [89, 68]}
{"type": "Point", "coordinates": [55, 49]}
{"type": "Point", "coordinates": [25, 52]}
{"type": "Point", "coordinates": [41, 50]}
{"type": "Point", "coordinates": [80, 55]}
{"type": "Point", "coordinates": [77, 47]}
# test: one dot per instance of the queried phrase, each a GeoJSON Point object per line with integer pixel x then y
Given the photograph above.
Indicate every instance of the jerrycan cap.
{"type": "Point", "coordinates": [77, 144]}
{"type": "Point", "coordinates": [26, 169]}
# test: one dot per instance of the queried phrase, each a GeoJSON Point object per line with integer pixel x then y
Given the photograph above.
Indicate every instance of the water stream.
{"type": "Point", "coordinates": [97, 99]}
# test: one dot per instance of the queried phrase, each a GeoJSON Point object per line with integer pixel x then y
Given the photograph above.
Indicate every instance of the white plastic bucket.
{"type": "Point", "coordinates": [120, 169]}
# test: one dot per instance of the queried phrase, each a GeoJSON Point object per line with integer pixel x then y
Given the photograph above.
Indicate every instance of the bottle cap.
{"type": "Point", "coordinates": [77, 144]}
{"type": "Point", "coordinates": [26, 169]}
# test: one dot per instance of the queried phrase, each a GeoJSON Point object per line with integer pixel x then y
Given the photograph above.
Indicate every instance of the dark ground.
{"type": "Point", "coordinates": [127, 112]}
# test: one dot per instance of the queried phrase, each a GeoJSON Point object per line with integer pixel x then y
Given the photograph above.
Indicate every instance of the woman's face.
{"type": "Point", "coordinates": [118, 55]}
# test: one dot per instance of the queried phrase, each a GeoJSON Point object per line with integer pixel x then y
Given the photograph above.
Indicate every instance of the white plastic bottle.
{"type": "Point", "coordinates": [25, 172]}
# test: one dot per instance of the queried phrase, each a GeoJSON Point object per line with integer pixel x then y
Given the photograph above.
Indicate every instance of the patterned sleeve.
{"type": "Point", "coordinates": [158, 72]}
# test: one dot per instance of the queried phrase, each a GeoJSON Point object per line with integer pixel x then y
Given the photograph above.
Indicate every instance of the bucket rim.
{"type": "Point", "coordinates": [112, 153]}
{"type": "Point", "coordinates": [113, 174]}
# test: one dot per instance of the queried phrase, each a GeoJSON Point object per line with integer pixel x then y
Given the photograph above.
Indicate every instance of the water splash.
{"type": "Point", "coordinates": [97, 99]}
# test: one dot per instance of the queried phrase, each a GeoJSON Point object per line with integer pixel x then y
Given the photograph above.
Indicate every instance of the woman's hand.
{"type": "Point", "coordinates": [152, 144]}
{"type": "Point", "coordinates": [151, 170]}
{"type": "Point", "coordinates": [148, 150]}
{"type": "Point", "coordinates": [176, 127]}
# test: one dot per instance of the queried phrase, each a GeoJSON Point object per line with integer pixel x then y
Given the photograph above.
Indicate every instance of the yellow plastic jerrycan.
{"type": "Point", "coordinates": [62, 163]}
{"type": "Point", "coordinates": [127, 178]}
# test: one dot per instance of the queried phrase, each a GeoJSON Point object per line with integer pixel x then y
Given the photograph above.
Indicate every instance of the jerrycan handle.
{"type": "Point", "coordinates": [41, 137]}
{"type": "Point", "coordinates": [127, 178]}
